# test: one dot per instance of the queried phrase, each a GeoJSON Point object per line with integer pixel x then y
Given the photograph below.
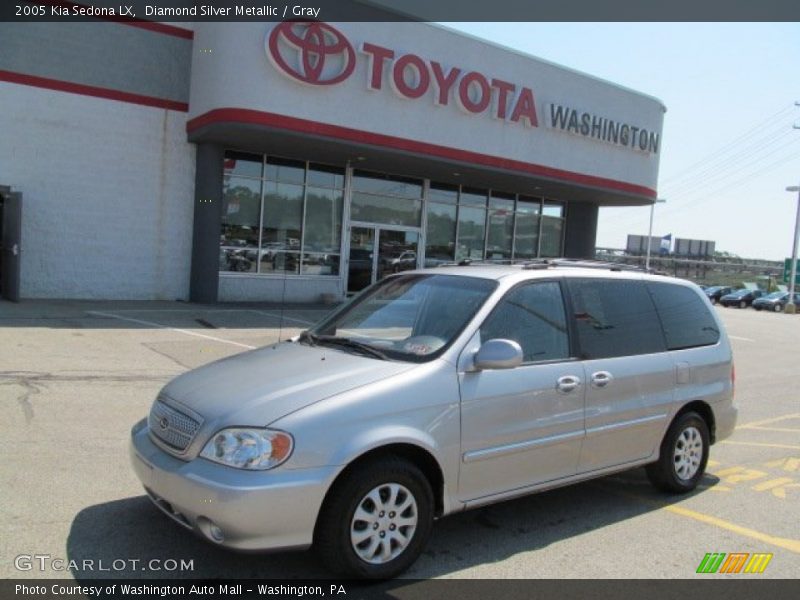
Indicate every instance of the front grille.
{"type": "Point", "coordinates": [171, 426]}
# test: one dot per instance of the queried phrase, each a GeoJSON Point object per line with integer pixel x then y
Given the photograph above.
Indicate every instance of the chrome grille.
{"type": "Point", "coordinates": [171, 426]}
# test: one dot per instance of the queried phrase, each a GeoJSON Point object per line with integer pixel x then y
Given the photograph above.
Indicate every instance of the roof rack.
{"type": "Point", "coordinates": [581, 263]}
{"type": "Point", "coordinates": [546, 263]}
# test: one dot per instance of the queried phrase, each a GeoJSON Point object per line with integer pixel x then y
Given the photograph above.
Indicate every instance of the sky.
{"type": "Point", "coordinates": [729, 150]}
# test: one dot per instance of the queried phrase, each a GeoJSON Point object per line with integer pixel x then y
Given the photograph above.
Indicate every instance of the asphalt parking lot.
{"type": "Point", "coordinates": [74, 377]}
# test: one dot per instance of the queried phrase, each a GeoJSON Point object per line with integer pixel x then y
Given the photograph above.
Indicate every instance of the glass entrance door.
{"type": "Point", "coordinates": [379, 251]}
{"type": "Point", "coordinates": [362, 258]}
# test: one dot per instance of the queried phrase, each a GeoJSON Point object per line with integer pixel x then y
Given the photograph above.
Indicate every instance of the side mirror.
{"type": "Point", "coordinates": [498, 354]}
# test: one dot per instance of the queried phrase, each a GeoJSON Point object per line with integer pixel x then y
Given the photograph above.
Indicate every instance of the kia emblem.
{"type": "Point", "coordinates": [311, 52]}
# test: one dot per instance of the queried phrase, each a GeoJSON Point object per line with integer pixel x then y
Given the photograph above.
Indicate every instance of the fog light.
{"type": "Point", "coordinates": [211, 530]}
{"type": "Point", "coordinates": [216, 533]}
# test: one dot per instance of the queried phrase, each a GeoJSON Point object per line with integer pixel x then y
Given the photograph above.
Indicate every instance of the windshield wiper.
{"type": "Point", "coordinates": [348, 343]}
{"type": "Point", "coordinates": [309, 337]}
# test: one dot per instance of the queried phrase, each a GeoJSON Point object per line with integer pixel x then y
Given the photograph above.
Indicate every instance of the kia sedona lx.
{"type": "Point", "coordinates": [436, 391]}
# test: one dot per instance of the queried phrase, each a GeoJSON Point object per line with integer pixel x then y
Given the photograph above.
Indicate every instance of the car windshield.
{"type": "Point", "coordinates": [776, 295]}
{"type": "Point", "coordinates": [713, 289]}
{"type": "Point", "coordinates": [411, 317]}
{"type": "Point", "coordinates": [740, 293]}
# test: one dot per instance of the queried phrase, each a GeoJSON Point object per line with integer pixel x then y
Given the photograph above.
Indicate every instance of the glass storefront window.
{"type": "Point", "coordinates": [473, 196]}
{"type": "Point", "coordinates": [243, 164]}
{"type": "Point", "coordinates": [325, 176]}
{"type": "Point", "coordinates": [288, 171]}
{"type": "Point", "coordinates": [471, 232]}
{"type": "Point", "coordinates": [386, 210]}
{"type": "Point", "coordinates": [241, 210]}
{"type": "Point", "coordinates": [387, 185]}
{"type": "Point", "coordinates": [501, 234]}
{"type": "Point", "coordinates": [501, 201]}
{"type": "Point", "coordinates": [283, 213]}
{"type": "Point", "coordinates": [315, 263]}
{"type": "Point", "coordinates": [440, 234]}
{"type": "Point", "coordinates": [553, 209]}
{"type": "Point", "coordinates": [274, 207]}
{"type": "Point", "coordinates": [323, 225]}
{"type": "Point", "coordinates": [443, 193]}
{"type": "Point", "coordinates": [552, 236]}
{"type": "Point", "coordinates": [526, 243]}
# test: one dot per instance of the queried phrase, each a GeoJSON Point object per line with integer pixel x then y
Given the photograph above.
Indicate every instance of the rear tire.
{"type": "Point", "coordinates": [359, 535]}
{"type": "Point", "coordinates": [683, 457]}
{"type": "Point", "coordinates": [778, 308]}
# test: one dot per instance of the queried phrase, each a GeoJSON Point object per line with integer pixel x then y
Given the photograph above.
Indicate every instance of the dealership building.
{"type": "Point", "coordinates": [256, 161]}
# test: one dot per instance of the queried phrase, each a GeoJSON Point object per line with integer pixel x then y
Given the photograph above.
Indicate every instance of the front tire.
{"type": "Point", "coordinates": [778, 308]}
{"type": "Point", "coordinates": [742, 304]}
{"type": "Point", "coordinates": [376, 521]}
{"type": "Point", "coordinates": [684, 454]}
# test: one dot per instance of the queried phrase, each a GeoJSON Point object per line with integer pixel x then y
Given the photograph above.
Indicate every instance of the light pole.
{"type": "Point", "coordinates": [650, 232]}
{"type": "Point", "coordinates": [790, 306]}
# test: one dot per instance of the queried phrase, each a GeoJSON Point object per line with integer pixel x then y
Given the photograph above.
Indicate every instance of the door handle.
{"type": "Point", "coordinates": [602, 379]}
{"type": "Point", "coordinates": [567, 383]}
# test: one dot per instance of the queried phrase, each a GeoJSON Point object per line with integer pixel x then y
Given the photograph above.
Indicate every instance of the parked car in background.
{"type": "Point", "coordinates": [741, 298]}
{"type": "Point", "coordinates": [776, 301]}
{"type": "Point", "coordinates": [715, 292]}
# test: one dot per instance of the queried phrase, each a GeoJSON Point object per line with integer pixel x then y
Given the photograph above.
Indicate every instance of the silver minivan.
{"type": "Point", "coordinates": [433, 392]}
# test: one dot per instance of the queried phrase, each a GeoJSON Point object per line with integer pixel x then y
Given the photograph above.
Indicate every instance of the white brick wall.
{"type": "Point", "coordinates": [238, 288]}
{"type": "Point", "coordinates": [108, 195]}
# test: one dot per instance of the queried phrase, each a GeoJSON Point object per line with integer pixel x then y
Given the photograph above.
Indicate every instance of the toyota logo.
{"type": "Point", "coordinates": [311, 52]}
{"type": "Point", "coordinates": [164, 423]}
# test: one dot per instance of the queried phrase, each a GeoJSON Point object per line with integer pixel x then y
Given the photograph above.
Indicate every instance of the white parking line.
{"type": "Point", "coordinates": [743, 339]}
{"type": "Point", "coordinates": [216, 310]}
{"type": "Point", "coordinates": [285, 318]}
{"type": "Point", "coordinates": [160, 326]}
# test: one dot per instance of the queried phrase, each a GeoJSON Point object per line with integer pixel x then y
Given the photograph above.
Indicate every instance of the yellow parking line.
{"type": "Point", "coordinates": [787, 446]}
{"type": "Point", "coordinates": [767, 421]}
{"type": "Point", "coordinates": [785, 543]}
{"type": "Point", "coordinates": [782, 429]}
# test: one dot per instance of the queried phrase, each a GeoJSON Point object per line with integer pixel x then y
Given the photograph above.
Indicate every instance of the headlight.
{"type": "Point", "coordinates": [249, 448]}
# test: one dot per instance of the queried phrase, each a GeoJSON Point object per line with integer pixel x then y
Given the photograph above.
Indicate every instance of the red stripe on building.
{"type": "Point", "coordinates": [180, 32]}
{"type": "Point", "coordinates": [172, 30]}
{"type": "Point", "coordinates": [252, 117]}
{"type": "Point", "coordinates": [90, 90]}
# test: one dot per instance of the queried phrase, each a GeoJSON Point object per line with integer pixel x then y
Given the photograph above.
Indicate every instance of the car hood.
{"type": "Point", "coordinates": [257, 387]}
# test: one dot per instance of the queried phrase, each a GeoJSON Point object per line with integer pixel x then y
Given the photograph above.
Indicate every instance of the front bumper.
{"type": "Point", "coordinates": [253, 510]}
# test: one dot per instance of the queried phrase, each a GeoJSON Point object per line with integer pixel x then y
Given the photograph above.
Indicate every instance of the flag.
{"type": "Point", "coordinates": [666, 244]}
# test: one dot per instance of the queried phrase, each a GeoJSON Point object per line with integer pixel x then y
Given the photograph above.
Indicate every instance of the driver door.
{"type": "Point", "coordinates": [522, 426]}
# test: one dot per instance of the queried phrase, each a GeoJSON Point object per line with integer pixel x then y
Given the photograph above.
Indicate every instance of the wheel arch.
{"type": "Point", "coordinates": [702, 408]}
{"type": "Point", "coordinates": [417, 455]}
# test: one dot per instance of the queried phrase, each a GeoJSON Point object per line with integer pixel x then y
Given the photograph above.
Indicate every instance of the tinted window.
{"type": "Point", "coordinates": [615, 318]}
{"type": "Point", "coordinates": [685, 316]}
{"type": "Point", "coordinates": [533, 316]}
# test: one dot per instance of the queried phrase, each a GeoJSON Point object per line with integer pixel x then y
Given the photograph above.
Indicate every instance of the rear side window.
{"type": "Point", "coordinates": [685, 316]}
{"type": "Point", "coordinates": [533, 316]}
{"type": "Point", "coordinates": [615, 318]}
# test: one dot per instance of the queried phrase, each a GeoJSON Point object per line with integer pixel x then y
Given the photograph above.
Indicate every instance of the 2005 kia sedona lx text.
{"type": "Point", "coordinates": [436, 391]}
